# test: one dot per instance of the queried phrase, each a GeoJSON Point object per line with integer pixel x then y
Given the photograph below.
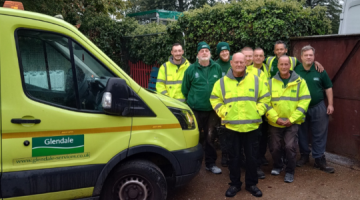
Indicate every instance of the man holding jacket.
{"type": "Point", "coordinates": [197, 85]}
{"type": "Point", "coordinates": [290, 99]}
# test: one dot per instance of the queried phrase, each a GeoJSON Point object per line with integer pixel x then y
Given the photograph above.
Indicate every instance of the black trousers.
{"type": "Point", "coordinates": [207, 121]}
{"type": "Point", "coordinates": [249, 141]}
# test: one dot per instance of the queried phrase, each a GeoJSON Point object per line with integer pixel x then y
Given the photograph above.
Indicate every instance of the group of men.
{"type": "Point", "coordinates": [249, 103]}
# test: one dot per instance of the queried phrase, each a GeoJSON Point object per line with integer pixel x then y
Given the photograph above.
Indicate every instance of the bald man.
{"type": "Point", "coordinates": [240, 99]}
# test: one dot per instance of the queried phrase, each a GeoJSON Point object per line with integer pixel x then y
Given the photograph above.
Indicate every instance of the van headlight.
{"type": "Point", "coordinates": [185, 118]}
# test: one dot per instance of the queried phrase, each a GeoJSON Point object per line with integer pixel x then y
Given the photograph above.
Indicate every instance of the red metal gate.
{"type": "Point", "coordinates": [140, 72]}
{"type": "Point", "coordinates": [340, 55]}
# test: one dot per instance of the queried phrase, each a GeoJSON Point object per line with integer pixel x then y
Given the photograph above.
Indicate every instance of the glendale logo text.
{"type": "Point", "coordinates": [59, 141]}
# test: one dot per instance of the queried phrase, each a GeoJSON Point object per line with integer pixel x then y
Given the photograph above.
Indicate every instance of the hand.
{"type": "Point", "coordinates": [330, 109]}
{"type": "Point", "coordinates": [287, 123]}
{"type": "Point", "coordinates": [319, 67]}
{"type": "Point", "coordinates": [280, 122]}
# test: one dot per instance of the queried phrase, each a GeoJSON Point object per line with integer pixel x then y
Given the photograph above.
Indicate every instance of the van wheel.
{"type": "Point", "coordinates": [137, 179]}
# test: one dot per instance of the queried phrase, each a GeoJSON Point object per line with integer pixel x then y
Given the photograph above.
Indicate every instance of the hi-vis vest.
{"type": "Point", "coordinates": [170, 78]}
{"type": "Point", "coordinates": [290, 102]}
{"type": "Point", "coordinates": [240, 105]}
{"type": "Point", "coordinates": [271, 59]}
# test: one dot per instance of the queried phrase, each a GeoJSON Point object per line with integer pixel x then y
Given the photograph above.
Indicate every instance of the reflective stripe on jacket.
{"type": "Point", "coordinates": [271, 59]}
{"type": "Point", "coordinates": [240, 105]}
{"type": "Point", "coordinates": [170, 78]}
{"type": "Point", "coordinates": [290, 102]}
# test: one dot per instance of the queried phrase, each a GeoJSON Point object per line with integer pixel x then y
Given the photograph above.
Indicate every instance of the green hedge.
{"type": "Point", "coordinates": [151, 43]}
{"type": "Point", "coordinates": [254, 23]}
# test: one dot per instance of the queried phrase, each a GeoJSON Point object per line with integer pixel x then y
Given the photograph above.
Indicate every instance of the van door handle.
{"type": "Point", "coordinates": [25, 121]}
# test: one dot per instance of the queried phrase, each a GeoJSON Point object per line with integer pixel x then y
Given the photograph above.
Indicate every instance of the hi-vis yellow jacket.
{"type": "Point", "coordinates": [170, 78]}
{"type": "Point", "coordinates": [240, 105]}
{"type": "Point", "coordinates": [265, 70]}
{"type": "Point", "coordinates": [255, 71]}
{"type": "Point", "coordinates": [290, 102]}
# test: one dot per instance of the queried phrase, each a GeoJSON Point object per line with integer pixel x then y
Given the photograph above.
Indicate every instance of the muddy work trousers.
{"type": "Point", "coordinates": [288, 136]}
{"type": "Point", "coordinates": [233, 142]}
{"type": "Point", "coordinates": [207, 121]}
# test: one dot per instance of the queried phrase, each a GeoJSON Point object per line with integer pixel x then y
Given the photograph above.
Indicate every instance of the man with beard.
{"type": "Point", "coordinates": [171, 74]}
{"type": "Point", "coordinates": [240, 99]}
{"type": "Point", "coordinates": [223, 50]}
{"type": "Point", "coordinates": [198, 83]}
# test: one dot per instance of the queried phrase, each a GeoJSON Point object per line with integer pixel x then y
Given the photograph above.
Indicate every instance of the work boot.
{"type": "Point", "coordinates": [260, 173]}
{"type": "Point", "coordinates": [224, 160]}
{"type": "Point", "coordinates": [232, 191]}
{"type": "Point", "coordinates": [289, 178]}
{"type": "Point", "coordinates": [276, 171]}
{"type": "Point", "coordinates": [214, 169]}
{"type": "Point", "coordinates": [321, 164]}
{"type": "Point", "coordinates": [255, 191]}
{"type": "Point", "coordinates": [302, 161]}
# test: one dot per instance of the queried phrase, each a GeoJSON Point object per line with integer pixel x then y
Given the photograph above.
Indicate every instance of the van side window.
{"type": "Point", "coordinates": [58, 71]}
{"type": "Point", "coordinates": [92, 78]}
{"type": "Point", "coordinates": [45, 67]}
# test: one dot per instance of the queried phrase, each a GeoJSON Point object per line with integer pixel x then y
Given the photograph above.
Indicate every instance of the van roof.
{"type": "Point", "coordinates": [37, 16]}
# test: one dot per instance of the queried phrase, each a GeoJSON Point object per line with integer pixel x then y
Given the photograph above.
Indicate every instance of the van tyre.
{"type": "Point", "coordinates": [137, 179]}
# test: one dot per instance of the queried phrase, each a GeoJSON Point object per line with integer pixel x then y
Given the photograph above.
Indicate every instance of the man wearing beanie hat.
{"type": "Point", "coordinates": [197, 85]}
{"type": "Point", "coordinates": [223, 51]}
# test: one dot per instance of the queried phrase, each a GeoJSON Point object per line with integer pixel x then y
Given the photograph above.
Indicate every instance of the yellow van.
{"type": "Point", "coordinates": [75, 126]}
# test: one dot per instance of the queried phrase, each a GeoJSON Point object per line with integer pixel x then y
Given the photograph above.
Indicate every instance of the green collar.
{"type": "Point", "coordinates": [312, 68]}
{"type": "Point", "coordinates": [293, 76]}
{"type": "Point", "coordinates": [210, 61]}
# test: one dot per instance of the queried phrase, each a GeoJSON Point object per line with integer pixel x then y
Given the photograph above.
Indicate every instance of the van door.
{"type": "Point", "coordinates": [55, 136]}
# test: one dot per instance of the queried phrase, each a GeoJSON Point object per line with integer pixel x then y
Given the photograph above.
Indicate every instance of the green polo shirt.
{"type": "Point", "coordinates": [275, 68]}
{"type": "Point", "coordinates": [239, 78]}
{"type": "Point", "coordinates": [286, 81]}
{"type": "Point", "coordinates": [225, 66]}
{"type": "Point", "coordinates": [317, 83]}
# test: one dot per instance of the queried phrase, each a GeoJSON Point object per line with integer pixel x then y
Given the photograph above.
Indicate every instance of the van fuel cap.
{"type": "Point", "coordinates": [26, 142]}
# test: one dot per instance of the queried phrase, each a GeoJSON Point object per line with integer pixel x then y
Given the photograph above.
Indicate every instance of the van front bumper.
{"type": "Point", "coordinates": [190, 163]}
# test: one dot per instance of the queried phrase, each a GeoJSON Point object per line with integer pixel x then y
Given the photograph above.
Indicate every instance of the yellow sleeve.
{"type": "Point", "coordinates": [303, 103]}
{"type": "Point", "coordinates": [271, 113]}
{"type": "Point", "coordinates": [160, 82]}
{"type": "Point", "coordinates": [263, 100]}
{"type": "Point", "coordinates": [217, 101]}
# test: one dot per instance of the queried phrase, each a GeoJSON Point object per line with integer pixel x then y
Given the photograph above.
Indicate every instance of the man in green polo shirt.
{"type": "Point", "coordinates": [317, 116]}
{"type": "Point", "coordinates": [223, 51]}
{"type": "Point", "coordinates": [280, 49]}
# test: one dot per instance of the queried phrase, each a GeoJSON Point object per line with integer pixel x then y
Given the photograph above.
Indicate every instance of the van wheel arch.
{"type": "Point", "coordinates": [141, 151]}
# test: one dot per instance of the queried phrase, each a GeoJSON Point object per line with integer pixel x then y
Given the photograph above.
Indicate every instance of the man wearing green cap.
{"type": "Point", "coordinates": [223, 51]}
{"type": "Point", "coordinates": [198, 82]}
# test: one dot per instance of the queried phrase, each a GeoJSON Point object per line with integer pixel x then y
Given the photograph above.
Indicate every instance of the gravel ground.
{"type": "Point", "coordinates": [309, 183]}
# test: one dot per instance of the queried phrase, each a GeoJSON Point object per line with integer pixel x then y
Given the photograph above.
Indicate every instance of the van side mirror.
{"type": "Point", "coordinates": [115, 100]}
